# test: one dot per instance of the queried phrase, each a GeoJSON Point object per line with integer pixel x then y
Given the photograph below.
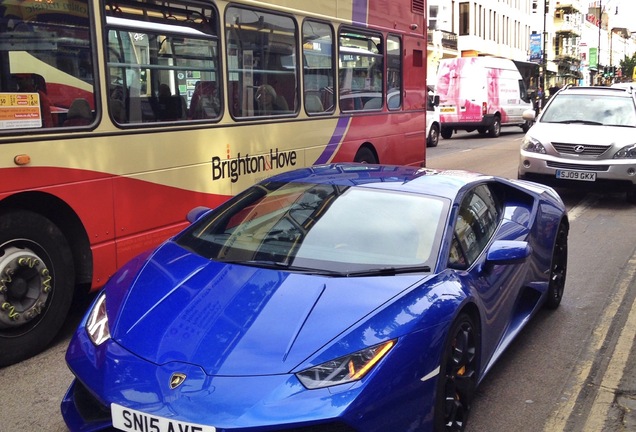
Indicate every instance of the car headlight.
{"type": "Point", "coordinates": [532, 145]}
{"type": "Point", "coordinates": [345, 369]}
{"type": "Point", "coordinates": [627, 152]}
{"type": "Point", "coordinates": [97, 322]}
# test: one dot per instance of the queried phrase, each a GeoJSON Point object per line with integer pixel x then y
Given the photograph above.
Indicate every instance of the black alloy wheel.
{"type": "Point", "coordinates": [458, 376]}
{"type": "Point", "coordinates": [558, 269]}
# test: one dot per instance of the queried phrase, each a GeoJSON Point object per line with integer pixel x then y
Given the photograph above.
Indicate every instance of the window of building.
{"type": "Point", "coordinates": [464, 19]}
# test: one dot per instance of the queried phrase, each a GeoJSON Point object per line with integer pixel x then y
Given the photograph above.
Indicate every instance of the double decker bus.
{"type": "Point", "coordinates": [119, 116]}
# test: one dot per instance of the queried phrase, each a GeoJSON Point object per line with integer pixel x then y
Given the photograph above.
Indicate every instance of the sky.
{"type": "Point", "coordinates": [626, 13]}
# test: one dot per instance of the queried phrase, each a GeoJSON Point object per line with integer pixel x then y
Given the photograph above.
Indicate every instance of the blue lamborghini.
{"type": "Point", "coordinates": [337, 298]}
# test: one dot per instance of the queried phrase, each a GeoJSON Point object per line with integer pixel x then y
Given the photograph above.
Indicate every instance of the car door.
{"type": "Point", "coordinates": [479, 222]}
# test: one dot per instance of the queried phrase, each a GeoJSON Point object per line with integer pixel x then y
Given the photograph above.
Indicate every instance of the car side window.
{"type": "Point", "coordinates": [477, 221]}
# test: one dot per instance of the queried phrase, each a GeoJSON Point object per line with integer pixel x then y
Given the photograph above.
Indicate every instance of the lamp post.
{"type": "Point", "coordinates": [598, 51]}
{"type": "Point", "coordinates": [544, 59]}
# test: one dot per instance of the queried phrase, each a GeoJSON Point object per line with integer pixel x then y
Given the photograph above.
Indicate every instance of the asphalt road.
{"type": "Point", "coordinates": [561, 374]}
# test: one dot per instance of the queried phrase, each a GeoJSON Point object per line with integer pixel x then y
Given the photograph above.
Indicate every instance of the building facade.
{"type": "Point", "coordinates": [576, 42]}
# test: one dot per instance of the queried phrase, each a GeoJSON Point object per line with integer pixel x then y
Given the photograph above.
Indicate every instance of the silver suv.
{"type": "Point", "coordinates": [585, 136]}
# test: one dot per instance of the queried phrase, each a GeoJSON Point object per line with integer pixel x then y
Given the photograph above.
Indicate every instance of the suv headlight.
{"type": "Point", "coordinates": [97, 322]}
{"type": "Point", "coordinates": [532, 145]}
{"type": "Point", "coordinates": [344, 369]}
{"type": "Point", "coordinates": [627, 152]}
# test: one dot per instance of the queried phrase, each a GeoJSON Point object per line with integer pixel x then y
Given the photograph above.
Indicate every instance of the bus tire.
{"type": "Point", "coordinates": [366, 156]}
{"type": "Point", "coordinates": [36, 284]}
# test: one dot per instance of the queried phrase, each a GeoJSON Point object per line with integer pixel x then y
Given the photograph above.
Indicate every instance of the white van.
{"type": "Point", "coordinates": [433, 126]}
{"type": "Point", "coordinates": [480, 93]}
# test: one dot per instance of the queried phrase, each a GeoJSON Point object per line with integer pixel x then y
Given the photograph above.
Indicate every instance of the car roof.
{"type": "Point", "coordinates": [607, 91]}
{"type": "Point", "coordinates": [443, 183]}
{"type": "Point", "coordinates": [625, 85]}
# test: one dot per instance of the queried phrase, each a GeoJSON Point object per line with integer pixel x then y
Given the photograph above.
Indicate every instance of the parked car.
{"type": "Point", "coordinates": [481, 93]}
{"type": "Point", "coordinates": [585, 136]}
{"type": "Point", "coordinates": [344, 297]}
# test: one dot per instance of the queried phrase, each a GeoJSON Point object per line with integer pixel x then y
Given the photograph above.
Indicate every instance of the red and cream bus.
{"type": "Point", "coordinates": [119, 116]}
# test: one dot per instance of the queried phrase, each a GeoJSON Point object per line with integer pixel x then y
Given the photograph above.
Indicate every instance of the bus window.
{"type": "Point", "coordinates": [394, 72]}
{"type": "Point", "coordinates": [261, 60]}
{"type": "Point", "coordinates": [45, 65]}
{"type": "Point", "coordinates": [318, 66]}
{"type": "Point", "coordinates": [163, 63]}
{"type": "Point", "coordinates": [361, 71]}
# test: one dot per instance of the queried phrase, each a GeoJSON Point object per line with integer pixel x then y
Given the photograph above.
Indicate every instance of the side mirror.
{"type": "Point", "coordinates": [529, 115]}
{"type": "Point", "coordinates": [504, 252]}
{"type": "Point", "coordinates": [436, 100]}
{"type": "Point", "coordinates": [196, 213]}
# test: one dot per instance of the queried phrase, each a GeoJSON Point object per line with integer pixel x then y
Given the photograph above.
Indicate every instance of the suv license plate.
{"type": "Point", "coordinates": [127, 419]}
{"type": "Point", "coordinates": [576, 175]}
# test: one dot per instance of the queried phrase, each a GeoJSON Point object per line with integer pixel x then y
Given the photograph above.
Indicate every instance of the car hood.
{"type": "Point", "coordinates": [575, 133]}
{"type": "Point", "coordinates": [237, 320]}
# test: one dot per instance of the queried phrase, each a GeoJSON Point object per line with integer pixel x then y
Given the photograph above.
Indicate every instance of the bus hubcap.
{"type": "Point", "coordinates": [25, 285]}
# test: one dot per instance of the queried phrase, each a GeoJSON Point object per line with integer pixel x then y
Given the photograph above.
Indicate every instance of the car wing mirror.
{"type": "Point", "coordinates": [196, 213]}
{"type": "Point", "coordinates": [529, 115]}
{"type": "Point", "coordinates": [503, 252]}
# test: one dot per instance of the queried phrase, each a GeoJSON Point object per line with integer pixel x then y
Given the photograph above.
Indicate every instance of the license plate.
{"type": "Point", "coordinates": [576, 175]}
{"type": "Point", "coordinates": [127, 419]}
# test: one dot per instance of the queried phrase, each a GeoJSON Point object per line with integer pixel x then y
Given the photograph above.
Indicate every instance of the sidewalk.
{"type": "Point", "coordinates": [615, 403]}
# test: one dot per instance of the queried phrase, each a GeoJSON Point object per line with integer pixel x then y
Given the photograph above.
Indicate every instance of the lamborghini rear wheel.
{"type": "Point", "coordinates": [559, 268]}
{"type": "Point", "coordinates": [458, 376]}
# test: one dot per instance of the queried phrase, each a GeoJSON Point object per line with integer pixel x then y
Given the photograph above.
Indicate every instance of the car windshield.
{"type": "Point", "coordinates": [604, 110]}
{"type": "Point", "coordinates": [322, 227]}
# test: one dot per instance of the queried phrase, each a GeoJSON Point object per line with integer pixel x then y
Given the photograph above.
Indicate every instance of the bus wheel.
{"type": "Point", "coordinates": [366, 156]}
{"type": "Point", "coordinates": [36, 284]}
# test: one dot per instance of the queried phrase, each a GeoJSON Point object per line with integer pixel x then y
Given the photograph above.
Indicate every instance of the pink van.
{"type": "Point", "coordinates": [482, 94]}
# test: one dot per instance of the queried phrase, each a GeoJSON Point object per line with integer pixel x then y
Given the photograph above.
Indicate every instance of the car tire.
{"type": "Point", "coordinates": [433, 137]}
{"type": "Point", "coordinates": [495, 128]}
{"type": "Point", "coordinates": [36, 298]}
{"type": "Point", "coordinates": [365, 156]}
{"type": "Point", "coordinates": [446, 133]}
{"type": "Point", "coordinates": [526, 127]}
{"type": "Point", "coordinates": [558, 268]}
{"type": "Point", "coordinates": [458, 376]}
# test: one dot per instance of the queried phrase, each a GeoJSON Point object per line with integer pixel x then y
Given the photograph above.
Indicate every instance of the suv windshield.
{"type": "Point", "coordinates": [607, 110]}
{"type": "Point", "coordinates": [325, 227]}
